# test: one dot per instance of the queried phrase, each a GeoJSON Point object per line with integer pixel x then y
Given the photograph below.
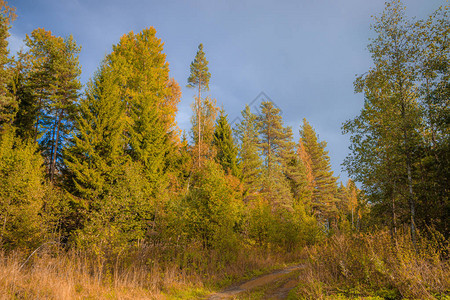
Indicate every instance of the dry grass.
{"type": "Point", "coordinates": [376, 265]}
{"type": "Point", "coordinates": [147, 273]}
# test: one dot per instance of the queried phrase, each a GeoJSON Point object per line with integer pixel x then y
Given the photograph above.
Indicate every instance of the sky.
{"type": "Point", "coordinates": [303, 55]}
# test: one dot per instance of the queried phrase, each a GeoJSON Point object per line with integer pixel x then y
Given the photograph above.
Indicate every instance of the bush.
{"type": "Point", "coordinates": [376, 265]}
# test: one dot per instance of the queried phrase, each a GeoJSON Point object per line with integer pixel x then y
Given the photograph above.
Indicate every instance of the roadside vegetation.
{"type": "Point", "coordinates": [102, 195]}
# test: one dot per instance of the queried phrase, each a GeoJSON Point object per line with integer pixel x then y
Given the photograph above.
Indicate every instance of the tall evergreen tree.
{"type": "Point", "coordinates": [55, 81]}
{"type": "Point", "coordinates": [294, 169]}
{"type": "Point", "coordinates": [305, 159]}
{"type": "Point", "coordinates": [204, 143]}
{"type": "Point", "coordinates": [323, 197]}
{"type": "Point", "coordinates": [143, 80]}
{"type": "Point", "coordinates": [23, 93]}
{"type": "Point", "coordinates": [273, 140]}
{"type": "Point", "coordinates": [8, 104]}
{"type": "Point", "coordinates": [96, 152]}
{"type": "Point", "coordinates": [225, 147]}
{"type": "Point", "coordinates": [250, 164]}
{"type": "Point", "coordinates": [199, 78]}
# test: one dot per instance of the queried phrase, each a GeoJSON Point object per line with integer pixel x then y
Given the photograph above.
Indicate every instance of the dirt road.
{"type": "Point", "coordinates": [275, 285]}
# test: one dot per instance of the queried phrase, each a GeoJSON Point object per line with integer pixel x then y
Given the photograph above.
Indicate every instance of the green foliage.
{"type": "Point", "coordinates": [8, 104]}
{"type": "Point", "coordinates": [273, 140]}
{"type": "Point", "coordinates": [96, 152]}
{"type": "Point", "coordinates": [250, 164]}
{"type": "Point", "coordinates": [213, 209]}
{"type": "Point", "coordinates": [21, 192]}
{"type": "Point", "coordinates": [141, 77]}
{"type": "Point", "coordinates": [118, 158]}
{"type": "Point", "coordinates": [398, 144]}
{"type": "Point", "coordinates": [53, 76]}
{"type": "Point", "coordinates": [199, 76]}
{"type": "Point", "coordinates": [223, 141]}
{"type": "Point", "coordinates": [202, 131]}
{"type": "Point", "coordinates": [361, 265]}
{"type": "Point", "coordinates": [324, 184]}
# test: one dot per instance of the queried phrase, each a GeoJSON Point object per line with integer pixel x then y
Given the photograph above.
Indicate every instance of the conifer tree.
{"type": "Point", "coordinates": [143, 80]}
{"type": "Point", "coordinates": [307, 165]}
{"type": "Point", "coordinates": [21, 192]}
{"type": "Point", "coordinates": [323, 197]}
{"type": "Point", "coordinates": [55, 82]}
{"type": "Point", "coordinates": [199, 78]}
{"type": "Point", "coordinates": [294, 169]}
{"type": "Point", "coordinates": [250, 164]}
{"type": "Point", "coordinates": [23, 93]}
{"type": "Point", "coordinates": [223, 141]}
{"type": "Point", "coordinates": [272, 135]}
{"type": "Point", "coordinates": [208, 115]}
{"type": "Point", "coordinates": [273, 140]}
{"type": "Point", "coordinates": [8, 105]}
{"type": "Point", "coordinates": [96, 153]}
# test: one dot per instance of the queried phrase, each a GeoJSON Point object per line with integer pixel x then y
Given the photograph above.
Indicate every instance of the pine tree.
{"type": "Point", "coordinates": [273, 139]}
{"type": "Point", "coordinates": [323, 197]}
{"type": "Point", "coordinates": [223, 141]}
{"type": "Point", "coordinates": [199, 77]}
{"type": "Point", "coordinates": [250, 164]}
{"type": "Point", "coordinates": [55, 82]}
{"type": "Point", "coordinates": [204, 143]}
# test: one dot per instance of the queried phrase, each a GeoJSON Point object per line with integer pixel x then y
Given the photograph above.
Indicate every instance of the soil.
{"type": "Point", "coordinates": [275, 285]}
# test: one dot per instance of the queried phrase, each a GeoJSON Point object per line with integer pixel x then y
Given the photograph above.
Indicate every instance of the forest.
{"type": "Point", "coordinates": [102, 196]}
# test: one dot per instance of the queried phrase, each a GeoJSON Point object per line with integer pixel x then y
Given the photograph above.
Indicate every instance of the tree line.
{"type": "Point", "coordinates": [106, 169]}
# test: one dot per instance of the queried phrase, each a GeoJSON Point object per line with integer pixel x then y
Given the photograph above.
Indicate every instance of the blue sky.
{"type": "Point", "coordinates": [303, 54]}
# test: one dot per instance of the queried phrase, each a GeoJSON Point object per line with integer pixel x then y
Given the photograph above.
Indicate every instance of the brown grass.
{"type": "Point", "coordinates": [362, 265]}
{"type": "Point", "coordinates": [147, 273]}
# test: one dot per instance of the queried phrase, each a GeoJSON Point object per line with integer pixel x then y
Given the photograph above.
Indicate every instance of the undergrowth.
{"type": "Point", "coordinates": [149, 272]}
{"type": "Point", "coordinates": [376, 265]}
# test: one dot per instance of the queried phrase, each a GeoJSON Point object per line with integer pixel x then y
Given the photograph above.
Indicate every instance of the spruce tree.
{"type": "Point", "coordinates": [323, 197]}
{"type": "Point", "coordinates": [223, 141]}
{"type": "Point", "coordinates": [8, 104]}
{"type": "Point", "coordinates": [23, 93]}
{"type": "Point", "coordinates": [143, 79]}
{"type": "Point", "coordinates": [96, 152]}
{"type": "Point", "coordinates": [199, 78]}
{"type": "Point", "coordinates": [294, 169]}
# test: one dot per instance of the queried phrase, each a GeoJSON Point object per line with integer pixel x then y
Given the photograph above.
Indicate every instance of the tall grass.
{"type": "Point", "coordinates": [378, 265]}
{"type": "Point", "coordinates": [149, 272]}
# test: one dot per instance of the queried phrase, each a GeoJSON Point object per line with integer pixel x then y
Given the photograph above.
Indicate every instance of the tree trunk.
{"type": "Point", "coordinates": [55, 147]}
{"type": "Point", "coordinates": [199, 122]}
{"type": "Point", "coordinates": [411, 201]}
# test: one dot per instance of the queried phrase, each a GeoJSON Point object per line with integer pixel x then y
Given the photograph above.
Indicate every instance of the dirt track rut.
{"type": "Point", "coordinates": [279, 284]}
